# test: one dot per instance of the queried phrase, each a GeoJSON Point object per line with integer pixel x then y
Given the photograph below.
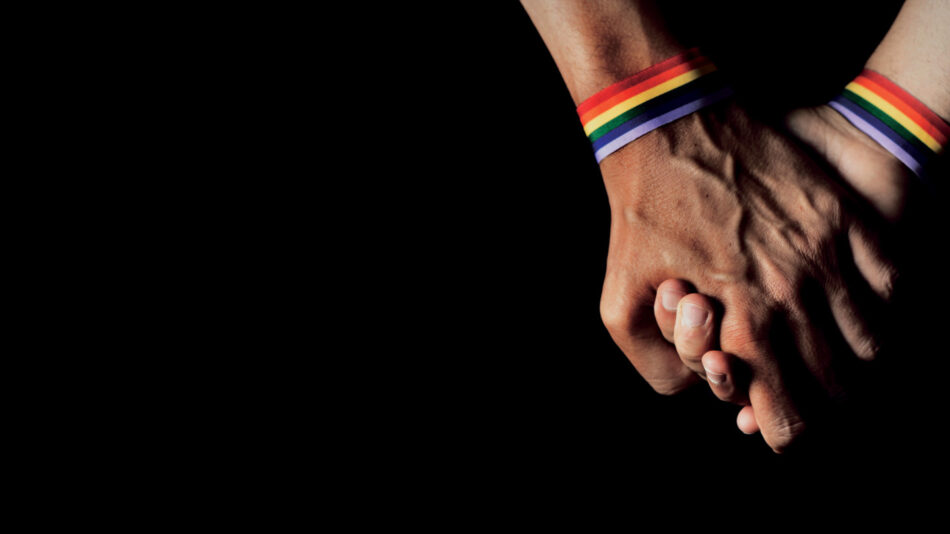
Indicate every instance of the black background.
{"type": "Point", "coordinates": [361, 253]}
{"type": "Point", "coordinates": [490, 251]}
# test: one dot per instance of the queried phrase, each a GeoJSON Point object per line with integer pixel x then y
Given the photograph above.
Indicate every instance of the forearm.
{"type": "Point", "coordinates": [915, 53]}
{"type": "Point", "coordinates": [597, 43]}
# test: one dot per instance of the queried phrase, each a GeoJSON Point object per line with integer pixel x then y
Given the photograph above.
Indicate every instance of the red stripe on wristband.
{"type": "Point", "coordinates": [642, 86]}
{"type": "Point", "coordinates": [649, 99]}
{"type": "Point", "coordinates": [641, 76]}
{"type": "Point", "coordinates": [924, 111]}
{"type": "Point", "coordinates": [905, 106]}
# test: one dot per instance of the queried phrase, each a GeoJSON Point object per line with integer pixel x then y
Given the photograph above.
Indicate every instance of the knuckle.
{"type": "Point", "coordinates": [730, 394]}
{"type": "Point", "coordinates": [781, 286]}
{"type": "Point", "coordinates": [668, 386]}
{"type": "Point", "coordinates": [731, 398]}
{"type": "Point", "coordinates": [815, 241]}
{"type": "Point", "coordinates": [784, 433]}
{"type": "Point", "coordinates": [690, 355]}
{"type": "Point", "coordinates": [692, 346]}
{"type": "Point", "coordinates": [615, 314]}
{"type": "Point", "coordinates": [820, 247]}
{"type": "Point", "coordinates": [867, 348]}
{"type": "Point", "coordinates": [743, 339]}
{"type": "Point", "coordinates": [834, 210]}
{"type": "Point", "coordinates": [890, 277]}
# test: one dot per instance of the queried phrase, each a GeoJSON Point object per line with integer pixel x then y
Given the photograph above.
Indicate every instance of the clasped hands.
{"type": "Point", "coordinates": [750, 255]}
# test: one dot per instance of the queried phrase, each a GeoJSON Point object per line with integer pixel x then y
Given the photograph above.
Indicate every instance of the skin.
{"type": "Point", "coordinates": [697, 345]}
{"type": "Point", "coordinates": [915, 54]}
{"type": "Point", "coordinates": [737, 208]}
{"type": "Point", "coordinates": [756, 230]}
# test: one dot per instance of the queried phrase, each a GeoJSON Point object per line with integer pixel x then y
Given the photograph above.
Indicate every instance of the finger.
{"type": "Point", "coordinates": [668, 295]}
{"type": "Point", "coordinates": [853, 322]}
{"type": "Point", "coordinates": [874, 265]}
{"type": "Point", "coordinates": [726, 376]}
{"type": "Point", "coordinates": [814, 345]}
{"type": "Point", "coordinates": [746, 420]}
{"type": "Point", "coordinates": [796, 373]}
{"type": "Point", "coordinates": [765, 344]}
{"type": "Point", "coordinates": [775, 415]}
{"type": "Point", "coordinates": [694, 331]}
{"type": "Point", "coordinates": [629, 318]}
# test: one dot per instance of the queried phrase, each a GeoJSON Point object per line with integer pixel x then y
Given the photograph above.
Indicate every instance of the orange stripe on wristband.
{"type": "Point", "coordinates": [925, 113]}
{"type": "Point", "coordinates": [641, 76]}
{"type": "Point", "coordinates": [904, 108]}
{"type": "Point", "coordinates": [634, 90]}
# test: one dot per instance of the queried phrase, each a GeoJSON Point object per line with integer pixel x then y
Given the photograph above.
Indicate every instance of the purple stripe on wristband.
{"type": "Point", "coordinates": [661, 105]}
{"type": "Point", "coordinates": [875, 122]}
{"type": "Point", "coordinates": [666, 118]}
{"type": "Point", "coordinates": [879, 137]}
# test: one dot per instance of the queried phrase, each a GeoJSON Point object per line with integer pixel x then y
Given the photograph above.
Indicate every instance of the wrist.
{"type": "Point", "coordinates": [918, 79]}
{"type": "Point", "coordinates": [702, 135]}
{"type": "Point", "coordinates": [596, 44]}
{"type": "Point", "coordinates": [915, 54]}
{"type": "Point", "coordinates": [623, 112]}
{"type": "Point", "coordinates": [606, 59]}
{"type": "Point", "coordinates": [872, 172]}
{"type": "Point", "coordinates": [895, 119]}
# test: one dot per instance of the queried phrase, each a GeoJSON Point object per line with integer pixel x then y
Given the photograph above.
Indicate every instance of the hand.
{"type": "Point", "coordinates": [873, 173]}
{"type": "Point", "coordinates": [739, 210]}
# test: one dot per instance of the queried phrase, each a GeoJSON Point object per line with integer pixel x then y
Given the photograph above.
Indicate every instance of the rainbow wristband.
{"type": "Point", "coordinates": [649, 99]}
{"type": "Point", "coordinates": [898, 122]}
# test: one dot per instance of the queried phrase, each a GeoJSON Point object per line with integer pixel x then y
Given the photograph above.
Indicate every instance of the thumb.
{"type": "Point", "coordinates": [870, 170]}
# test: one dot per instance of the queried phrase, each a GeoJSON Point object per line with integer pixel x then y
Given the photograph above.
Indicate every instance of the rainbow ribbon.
{"type": "Point", "coordinates": [649, 99]}
{"type": "Point", "coordinates": [898, 122]}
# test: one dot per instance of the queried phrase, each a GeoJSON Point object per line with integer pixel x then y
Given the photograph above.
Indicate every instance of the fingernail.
{"type": "Point", "coordinates": [715, 378]}
{"type": "Point", "coordinates": [670, 299]}
{"type": "Point", "coordinates": [694, 316]}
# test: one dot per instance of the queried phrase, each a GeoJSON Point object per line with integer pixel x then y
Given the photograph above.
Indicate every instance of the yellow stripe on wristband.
{"type": "Point", "coordinates": [651, 93]}
{"type": "Point", "coordinates": [895, 114]}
